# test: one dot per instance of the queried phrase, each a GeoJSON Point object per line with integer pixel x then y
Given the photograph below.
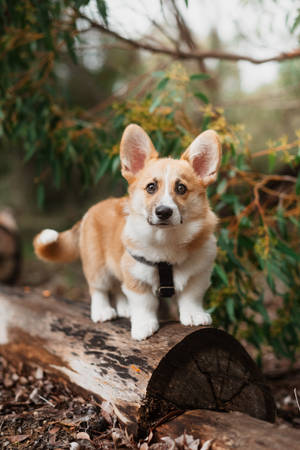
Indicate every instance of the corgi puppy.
{"type": "Point", "coordinates": [165, 219]}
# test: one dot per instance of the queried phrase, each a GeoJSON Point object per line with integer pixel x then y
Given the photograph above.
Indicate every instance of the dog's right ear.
{"type": "Point", "coordinates": [136, 149]}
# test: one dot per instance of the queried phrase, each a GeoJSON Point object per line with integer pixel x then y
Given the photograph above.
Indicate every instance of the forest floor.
{"type": "Point", "coordinates": [39, 411]}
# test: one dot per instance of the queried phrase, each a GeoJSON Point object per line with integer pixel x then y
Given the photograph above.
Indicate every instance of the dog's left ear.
{"type": "Point", "coordinates": [136, 149]}
{"type": "Point", "coordinates": [204, 155]}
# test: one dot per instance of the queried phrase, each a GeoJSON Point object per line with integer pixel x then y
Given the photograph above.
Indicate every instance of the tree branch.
{"type": "Point", "coordinates": [181, 54]}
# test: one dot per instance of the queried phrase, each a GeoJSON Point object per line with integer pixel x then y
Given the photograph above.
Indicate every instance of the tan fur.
{"type": "Point", "coordinates": [65, 249]}
{"type": "Point", "coordinates": [129, 281]}
{"type": "Point", "coordinates": [101, 247]}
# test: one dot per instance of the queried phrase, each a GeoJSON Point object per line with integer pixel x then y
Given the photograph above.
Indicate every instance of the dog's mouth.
{"type": "Point", "coordinates": [160, 223]}
{"type": "Point", "coordinates": [163, 223]}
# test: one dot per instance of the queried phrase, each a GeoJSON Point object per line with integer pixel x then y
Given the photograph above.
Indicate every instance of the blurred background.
{"type": "Point", "coordinates": [74, 73]}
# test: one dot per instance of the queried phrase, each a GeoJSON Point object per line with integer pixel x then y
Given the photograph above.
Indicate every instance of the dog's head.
{"type": "Point", "coordinates": [165, 191]}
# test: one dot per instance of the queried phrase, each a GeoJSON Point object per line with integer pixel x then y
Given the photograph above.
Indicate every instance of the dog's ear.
{"type": "Point", "coordinates": [136, 149]}
{"type": "Point", "coordinates": [204, 155]}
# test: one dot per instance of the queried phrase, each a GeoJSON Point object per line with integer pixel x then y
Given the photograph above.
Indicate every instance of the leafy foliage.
{"type": "Point", "coordinates": [259, 212]}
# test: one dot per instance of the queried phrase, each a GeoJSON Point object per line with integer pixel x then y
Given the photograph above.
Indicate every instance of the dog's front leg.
{"type": "Point", "coordinates": [101, 310]}
{"type": "Point", "coordinates": [143, 312]}
{"type": "Point", "coordinates": [191, 311]}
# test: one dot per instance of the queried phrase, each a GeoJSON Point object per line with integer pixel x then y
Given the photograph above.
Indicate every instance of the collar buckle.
{"type": "Point", "coordinates": [165, 291]}
{"type": "Point", "coordinates": [165, 272]}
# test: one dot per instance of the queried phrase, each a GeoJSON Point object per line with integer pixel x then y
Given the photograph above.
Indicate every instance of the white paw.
{"type": "Point", "coordinates": [143, 330]}
{"type": "Point", "coordinates": [48, 236]}
{"type": "Point", "coordinates": [123, 307]}
{"type": "Point", "coordinates": [195, 318]}
{"type": "Point", "coordinates": [102, 314]}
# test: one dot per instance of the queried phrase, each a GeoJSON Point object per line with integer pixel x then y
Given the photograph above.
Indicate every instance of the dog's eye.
{"type": "Point", "coordinates": [151, 188]}
{"type": "Point", "coordinates": [180, 188]}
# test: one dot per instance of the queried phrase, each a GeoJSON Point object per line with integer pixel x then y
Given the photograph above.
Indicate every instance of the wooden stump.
{"type": "Point", "coordinates": [10, 249]}
{"type": "Point", "coordinates": [178, 368]}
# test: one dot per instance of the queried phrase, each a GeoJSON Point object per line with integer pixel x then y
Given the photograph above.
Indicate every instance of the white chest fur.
{"type": "Point", "coordinates": [196, 262]}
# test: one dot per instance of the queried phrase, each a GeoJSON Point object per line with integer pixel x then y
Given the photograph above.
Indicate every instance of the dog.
{"type": "Point", "coordinates": [157, 241]}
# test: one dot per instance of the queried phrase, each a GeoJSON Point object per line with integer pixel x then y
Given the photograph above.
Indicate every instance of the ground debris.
{"type": "Point", "coordinates": [38, 411]}
{"type": "Point", "coordinates": [183, 442]}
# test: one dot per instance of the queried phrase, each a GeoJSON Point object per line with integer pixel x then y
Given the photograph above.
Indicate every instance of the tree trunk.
{"type": "Point", "coordinates": [179, 368]}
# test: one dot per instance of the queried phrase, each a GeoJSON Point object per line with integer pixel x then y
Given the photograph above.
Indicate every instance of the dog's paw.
{"type": "Point", "coordinates": [103, 314]}
{"type": "Point", "coordinates": [47, 236]}
{"type": "Point", "coordinates": [195, 317]}
{"type": "Point", "coordinates": [143, 330]}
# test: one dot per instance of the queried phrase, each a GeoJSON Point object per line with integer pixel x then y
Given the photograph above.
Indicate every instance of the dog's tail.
{"type": "Point", "coordinates": [58, 247]}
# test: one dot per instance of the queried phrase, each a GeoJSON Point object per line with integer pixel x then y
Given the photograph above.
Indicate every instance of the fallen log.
{"type": "Point", "coordinates": [179, 368]}
{"type": "Point", "coordinates": [232, 430]}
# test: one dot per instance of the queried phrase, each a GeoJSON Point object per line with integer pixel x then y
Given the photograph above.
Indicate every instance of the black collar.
{"type": "Point", "coordinates": [165, 271]}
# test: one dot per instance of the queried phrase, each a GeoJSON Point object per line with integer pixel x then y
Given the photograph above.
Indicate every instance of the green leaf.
{"type": "Point", "coordinates": [70, 46]}
{"type": "Point", "coordinates": [202, 97]}
{"type": "Point", "coordinates": [199, 76]}
{"type": "Point", "coordinates": [157, 101]}
{"type": "Point", "coordinates": [222, 186]}
{"type": "Point", "coordinates": [159, 140]}
{"type": "Point", "coordinates": [102, 8]}
{"type": "Point", "coordinates": [159, 74]}
{"type": "Point", "coordinates": [241, 162]}
{"type": "Point", "coordinates": [296, 22]}
{"type": "Point", "coordinates": [30, 150]}
{"type": "Point", "coordinates": [79, 3]}
{"type": "Point", "coordinates": [258, 306]}
{"type": "Point", "coordinates": [245, 222]}
{"type": "Point", "coordinates": [279, 271]}
{"type": "Point", "coordinates": [298, 185]}
{"type": "Point", "coordinates": [102, 169]}
{"type": "Point", "coordinates": [205, 123]}
{"type": "Point", "coordinates": [182, 130]}
{"type": "Point", "coordinates": [163, 83]}
{"type": "Point", "coordinates": [221, 274]}
{"type": "Point", "coordinates": [288, 251]}
{"type": "Point", "coordinates": [230, 309]}
{"type": "Point", "coordinates": [281, 220]}
{"type": "Point", "coordinates": [40, 195]}
{"type": "Point", "coordinates": [271, 283]}
{"type": "Point", "coordinates": [272, 161]}
{"type": "Point", "coordinates": [115, 164]}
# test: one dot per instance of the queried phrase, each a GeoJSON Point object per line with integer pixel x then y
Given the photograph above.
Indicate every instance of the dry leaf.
{"type": "Point", "coordinates": [54, 430]}
{"type": "Point", "coordinates": [82, 435]}
{"type": "Point", "coordinates": [170, 443]}
{"type": "Point", "coordinates": [206, 445]}
{"type": "Point", "coordinates": [107, 412]}
{"type": "Point", "coordinates": [18, 438]}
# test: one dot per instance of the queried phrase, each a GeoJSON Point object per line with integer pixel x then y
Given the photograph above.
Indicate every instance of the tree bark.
{"type": "Point", "coordinates": [179, 368]}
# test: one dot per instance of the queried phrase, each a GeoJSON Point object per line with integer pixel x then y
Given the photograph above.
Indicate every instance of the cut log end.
{"type": "Point", "coordinates": [208, 369]}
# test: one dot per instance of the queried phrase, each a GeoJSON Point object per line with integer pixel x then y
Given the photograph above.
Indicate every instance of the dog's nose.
{"type": "Point", "coordinates": [163, 212]}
